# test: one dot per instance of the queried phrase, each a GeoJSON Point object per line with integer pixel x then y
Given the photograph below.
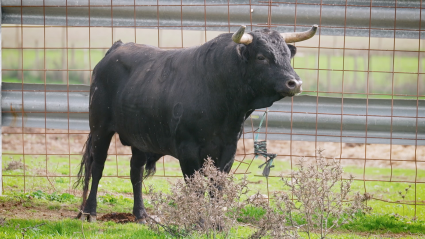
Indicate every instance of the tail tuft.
{"type": "Point", "coordinates": [84, 174]}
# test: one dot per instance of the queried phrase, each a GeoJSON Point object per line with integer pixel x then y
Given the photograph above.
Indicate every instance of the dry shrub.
{"type": "Point", "coordinates": [320, 197]}
{"type": "Point", "coordinates": [14, 164]}
{"type": "Point", "coordinates": [316, 203]}
{"type": "Point", "coordinates": [274, 223]}
{"type": "Point", "coordinates": [210, 202]}
{"type": "Point", "coordinates": [207, 203]}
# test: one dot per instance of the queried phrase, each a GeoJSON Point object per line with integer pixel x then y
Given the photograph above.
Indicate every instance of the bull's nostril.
{"type": "Point", "coordinates": [291, 84]}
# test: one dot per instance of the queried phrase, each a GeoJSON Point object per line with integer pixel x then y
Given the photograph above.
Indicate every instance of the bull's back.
{"type": "Point", "coordinates": [135, 77]}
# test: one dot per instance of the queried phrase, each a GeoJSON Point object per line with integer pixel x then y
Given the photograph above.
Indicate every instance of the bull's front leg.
{"type": "Point", "coordinates": [225, 162]}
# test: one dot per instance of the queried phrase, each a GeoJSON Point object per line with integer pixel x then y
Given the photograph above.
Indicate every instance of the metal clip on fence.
{"type": "Point", "coordinates": [260, 148]}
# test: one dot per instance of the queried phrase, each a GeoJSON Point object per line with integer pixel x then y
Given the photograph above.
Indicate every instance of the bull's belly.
{"type": "Point", "coordinates": [147, 139]}
{"type": "Point", "coordinates": [146, 142]}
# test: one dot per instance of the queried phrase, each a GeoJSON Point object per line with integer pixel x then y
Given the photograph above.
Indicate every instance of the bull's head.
{"type": "Point", "coordinates": [268, 59]}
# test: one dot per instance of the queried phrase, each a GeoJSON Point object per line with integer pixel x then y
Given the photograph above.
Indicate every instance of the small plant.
{"type": "Point", "coordinates": [109, 199]}
{"type": "Point", "coordinates": [208, 203]}
{"type": "Point", "coordinates": [403, 195]}
{"type": "Point", "coordinates": [64, 197]}
{"type": "Point", "coordinates": [273, 223]}
{"type": "Point", "coordinates": [14, 164]}
{"type": "Point", "coordinates": [320, 196]}
{"type": "Point", "coordinates": [114, 200]}
{"type": "Point", "coordinates": [54, 207]}
{"type": "Point", "coordinates": [406, 191]}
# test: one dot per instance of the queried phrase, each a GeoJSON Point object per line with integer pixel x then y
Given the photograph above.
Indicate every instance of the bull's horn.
{"type": "Point", "coordinates": [241, 37]}
{"type": "Point", "coordinates": [299, 36]}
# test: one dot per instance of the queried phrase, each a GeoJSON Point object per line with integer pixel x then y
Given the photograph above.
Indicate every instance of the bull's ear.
{"type": "Point", "coordinates": [242, 52]}
{"type": "Point", "coordinates": [293, 50]}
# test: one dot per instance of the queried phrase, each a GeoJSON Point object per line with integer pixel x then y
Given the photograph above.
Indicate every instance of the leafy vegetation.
{"type": "Point", "coordinates": [64, 197]}
{"type": "Point", "coordinates": [382, 223]}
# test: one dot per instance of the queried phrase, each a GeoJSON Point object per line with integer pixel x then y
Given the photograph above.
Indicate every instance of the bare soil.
{"type": "Point", "coordinates": [52, 141]}
{"type": "Point", "coordinates": [29, 210]}
{"type": "Point", "coordinates": [118, 217]}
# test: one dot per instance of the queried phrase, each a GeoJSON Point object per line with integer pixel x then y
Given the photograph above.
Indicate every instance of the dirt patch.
{"type": "Point", "coordinates": [118, 217]}
{"type": "Point", "coordinates": [27, 209]}
{"type": "Point", "coordinates": [371, 155]}
{"type": "Point", "coordinates": [33, 209]}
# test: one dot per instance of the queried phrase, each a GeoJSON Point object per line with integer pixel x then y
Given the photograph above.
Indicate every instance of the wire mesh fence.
{"type": "Point", "coordinates": [363, 50]}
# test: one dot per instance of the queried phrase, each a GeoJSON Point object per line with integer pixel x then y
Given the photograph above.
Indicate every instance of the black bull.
{"type": "Point", "coordinates": [188, 103]}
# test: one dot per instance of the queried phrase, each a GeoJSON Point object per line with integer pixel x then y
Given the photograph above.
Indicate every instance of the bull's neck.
{"type": "Point", "coordinates": [223, 72]}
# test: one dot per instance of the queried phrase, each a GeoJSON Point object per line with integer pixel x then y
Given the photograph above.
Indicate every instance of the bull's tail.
{"type": "Point", "coordinates": [84, 174]}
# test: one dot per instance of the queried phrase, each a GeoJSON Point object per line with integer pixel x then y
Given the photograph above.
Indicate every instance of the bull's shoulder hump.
{"type": "Point", "coordinates": [134, 47]}
{"type": "Point", "coordinates": [131, 52]}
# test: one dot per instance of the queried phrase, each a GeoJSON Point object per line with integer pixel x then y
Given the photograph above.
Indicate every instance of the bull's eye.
{"type": "Point", "coordinates": [261, 58]}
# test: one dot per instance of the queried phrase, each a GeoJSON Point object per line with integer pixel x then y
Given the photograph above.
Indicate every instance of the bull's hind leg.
{"type": "Point", "coordinates": [99, 151]}
{"type": "Point", "coordinates": [138, 161]}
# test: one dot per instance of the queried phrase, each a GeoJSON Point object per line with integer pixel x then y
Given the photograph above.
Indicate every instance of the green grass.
{"type": "Point", "coordinates": [371, 223]}
{"type": "Point", "coordinates": [382, 223]}
{"type": "Point", "coordinates": [329, 78]}
{"type": "Point", "coordinates": [36, 165]}
{"type": "Point", "coordinates": [110, 184]}
{"type": "Point", "coordinates": [115, 194]}
{"type": "Point", "coordinates": [33, 61]}
{"type": "Point", "coordinates": [69, 228]}
{"type": "Point", "coordinates": [374, 223]}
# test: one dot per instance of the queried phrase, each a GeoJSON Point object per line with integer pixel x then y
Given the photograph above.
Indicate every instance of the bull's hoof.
{"type": "Point", "coordinates": [83, 217]}
{"type": "Point", "coordinates": [141, 221]}
{"type": "Point", "coordinates": [91, 218]}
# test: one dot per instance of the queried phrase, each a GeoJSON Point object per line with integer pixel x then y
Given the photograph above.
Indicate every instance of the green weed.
{"type": "Point", "coordinates": [382, 223]}
{"type": "Point", "coordinates": [69, 228]}
{"type": "Point", "coordinates": [64, 197]}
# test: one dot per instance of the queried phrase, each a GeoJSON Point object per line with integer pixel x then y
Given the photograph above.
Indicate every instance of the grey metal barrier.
{"type": "Point", "coordinates": [375, 121]}
{"type": "Point", "coordinates": [336, 17]}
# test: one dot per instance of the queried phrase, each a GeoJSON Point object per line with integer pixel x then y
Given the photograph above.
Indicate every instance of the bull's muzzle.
{"type": "Point", "coordinates": [294, 86]}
